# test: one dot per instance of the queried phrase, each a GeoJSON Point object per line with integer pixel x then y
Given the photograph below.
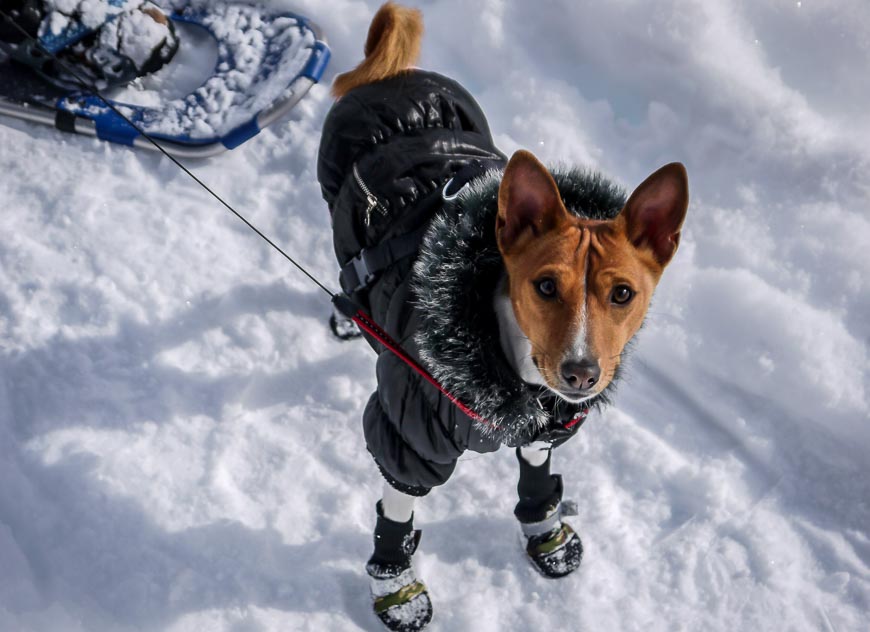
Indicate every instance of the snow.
{"type": "Point", "coordinates": [267, 54]}
{"type": "Point", "coordinates": [180, 438]}
{"type": "Point", "coordinates": [91, 13]}
{"type": "Point", "coordinates": [138, 34]}
{"type": "Point", "coordinates": [193, 63]}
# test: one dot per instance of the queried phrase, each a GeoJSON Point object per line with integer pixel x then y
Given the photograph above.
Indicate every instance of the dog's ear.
{"type": "Point", "coordinates": [528, 200]}
{"type": "Point", "coordinates": [656, 209]}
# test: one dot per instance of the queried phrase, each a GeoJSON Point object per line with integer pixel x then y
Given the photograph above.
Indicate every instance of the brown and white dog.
{"type": "Point", "coordinates": [574, 291]}
{"type": "Point", "coordinates": [577, 289]}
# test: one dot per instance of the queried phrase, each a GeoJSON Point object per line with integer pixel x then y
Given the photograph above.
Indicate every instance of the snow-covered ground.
{"type": "Point", "coordinates": [180, 440]}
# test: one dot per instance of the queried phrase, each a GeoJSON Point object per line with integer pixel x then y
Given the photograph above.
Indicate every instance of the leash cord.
{"type": "Point", "coordinates": [92, 89]}
{"type": "Point", "coordinates": [342, 303]}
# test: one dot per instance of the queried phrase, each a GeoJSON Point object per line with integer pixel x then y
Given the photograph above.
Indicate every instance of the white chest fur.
{"type": "Point", "coordinates": [514, 343]}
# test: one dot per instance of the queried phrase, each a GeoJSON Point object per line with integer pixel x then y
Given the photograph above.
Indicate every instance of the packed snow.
{"type": "Point", "coordinates": [180, 437]}
{"type": "Point", "coordinates": [68, 14]}
{"type": "Point", "coordinates": [258, 58]}
{"type": "Point", "coordinates": [136, 35]}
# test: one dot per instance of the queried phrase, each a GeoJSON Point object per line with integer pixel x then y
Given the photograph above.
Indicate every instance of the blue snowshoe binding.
{"type": "Point", "coordinates": [135, 53]}
{"type": "Point", "coordinates": [93, 45]}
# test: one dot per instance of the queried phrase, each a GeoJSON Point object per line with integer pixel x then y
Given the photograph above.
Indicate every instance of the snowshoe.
{"type": "Point", "coordinates": [207, 79]}
{"type": "Point", "coordinates": [399, 599]}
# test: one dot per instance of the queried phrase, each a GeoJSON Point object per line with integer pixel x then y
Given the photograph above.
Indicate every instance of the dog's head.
{"type": "Point", "coordinates": [580, 288]}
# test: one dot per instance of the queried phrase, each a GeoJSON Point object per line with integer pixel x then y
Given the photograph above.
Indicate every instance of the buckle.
{"type": "Point", "coordinates": [355, 274]}
{"type": "Point", "coordinates": [364, 277]}
{"type": "Point", "coordinates": [446, 195]}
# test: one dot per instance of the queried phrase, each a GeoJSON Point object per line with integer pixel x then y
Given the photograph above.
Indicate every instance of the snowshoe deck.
{"type": "Point", "coordinates": [265, 63]}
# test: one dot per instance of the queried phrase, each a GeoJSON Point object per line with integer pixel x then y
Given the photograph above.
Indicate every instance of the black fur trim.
{"type": "Point", "coordinates": [455, 275]}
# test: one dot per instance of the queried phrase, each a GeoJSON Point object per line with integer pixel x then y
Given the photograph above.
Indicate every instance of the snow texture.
{"type": "Point", "coordinates": [266, 58]}
{"type": "Point", "coordinates": [136, 35]}
{"type": "Point", "coordinates": [180, 440]}
{"type": "Point", "coordinates": [90, 13]}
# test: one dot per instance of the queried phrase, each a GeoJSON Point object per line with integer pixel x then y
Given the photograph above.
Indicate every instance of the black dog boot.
{"type": "Point", "coordinates": [553, 547]}
{"type": "Point", "coordinates": [400, 600]}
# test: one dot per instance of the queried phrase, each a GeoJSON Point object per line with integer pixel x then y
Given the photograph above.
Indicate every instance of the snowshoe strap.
{"type": "Point", "coordinates": [28, 53]}
{"type": "Point", "coordinates": [18, 35]}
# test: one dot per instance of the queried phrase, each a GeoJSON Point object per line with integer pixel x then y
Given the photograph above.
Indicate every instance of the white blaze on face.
{"type": "Point", "coordinates": [577, 345]}
{"type": "Point", "coordinates": [518, 348]}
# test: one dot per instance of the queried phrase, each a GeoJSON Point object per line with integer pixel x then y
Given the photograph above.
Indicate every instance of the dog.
{"type": "Point", "coordinates": [516, 286]}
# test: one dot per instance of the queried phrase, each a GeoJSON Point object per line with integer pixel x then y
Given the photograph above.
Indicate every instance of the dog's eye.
{"type": "Point", "coordinates": [622, 294]}
{"type": "Point", "coordinates": [546, 287]}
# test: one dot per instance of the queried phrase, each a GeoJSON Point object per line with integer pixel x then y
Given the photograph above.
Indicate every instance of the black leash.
{"type": "Point", "coordinates": [93, 90]}
{"type": "Point", "coordinates": [342, 303]}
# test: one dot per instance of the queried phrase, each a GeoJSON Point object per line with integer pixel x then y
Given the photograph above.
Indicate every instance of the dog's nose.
{"type": "Point", "coordinates": [582, 374]}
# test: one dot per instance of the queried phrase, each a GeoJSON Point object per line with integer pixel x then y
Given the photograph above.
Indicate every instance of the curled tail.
{"type": "Point", "coordinates": [392, 46]}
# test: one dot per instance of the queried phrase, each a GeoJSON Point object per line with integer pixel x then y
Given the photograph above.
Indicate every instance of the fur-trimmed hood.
{"type": "Point", "coordinates": [454, 280]}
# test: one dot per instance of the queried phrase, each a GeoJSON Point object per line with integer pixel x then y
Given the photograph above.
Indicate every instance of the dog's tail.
{"type": "Point", "coordinates": [392, 46]}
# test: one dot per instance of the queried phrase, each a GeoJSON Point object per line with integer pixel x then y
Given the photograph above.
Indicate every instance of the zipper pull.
{"type": "Point", "coordinates": [371, 203]}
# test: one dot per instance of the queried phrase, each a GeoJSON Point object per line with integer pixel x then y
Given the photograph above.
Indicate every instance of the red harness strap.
{"type": "Point", "coordinates": [367, 324]}
{"type": "Point", "coordinates": [576, 419]}
{"type": "Point", "coordinates": [372, 328]}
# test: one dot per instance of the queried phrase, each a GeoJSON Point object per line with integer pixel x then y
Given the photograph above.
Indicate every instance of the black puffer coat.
{"type": "Point", "coordinates": [406, 137]}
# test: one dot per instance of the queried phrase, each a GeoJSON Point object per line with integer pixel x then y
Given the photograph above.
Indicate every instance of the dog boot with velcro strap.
{"type": "Point", "coordinates": [400, 599]}
{"type": "Point", "coordinates": [552, 545]}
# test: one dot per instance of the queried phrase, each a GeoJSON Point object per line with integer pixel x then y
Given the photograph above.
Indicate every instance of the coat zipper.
{"type": "Point", "coordinates": [372, 201]}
